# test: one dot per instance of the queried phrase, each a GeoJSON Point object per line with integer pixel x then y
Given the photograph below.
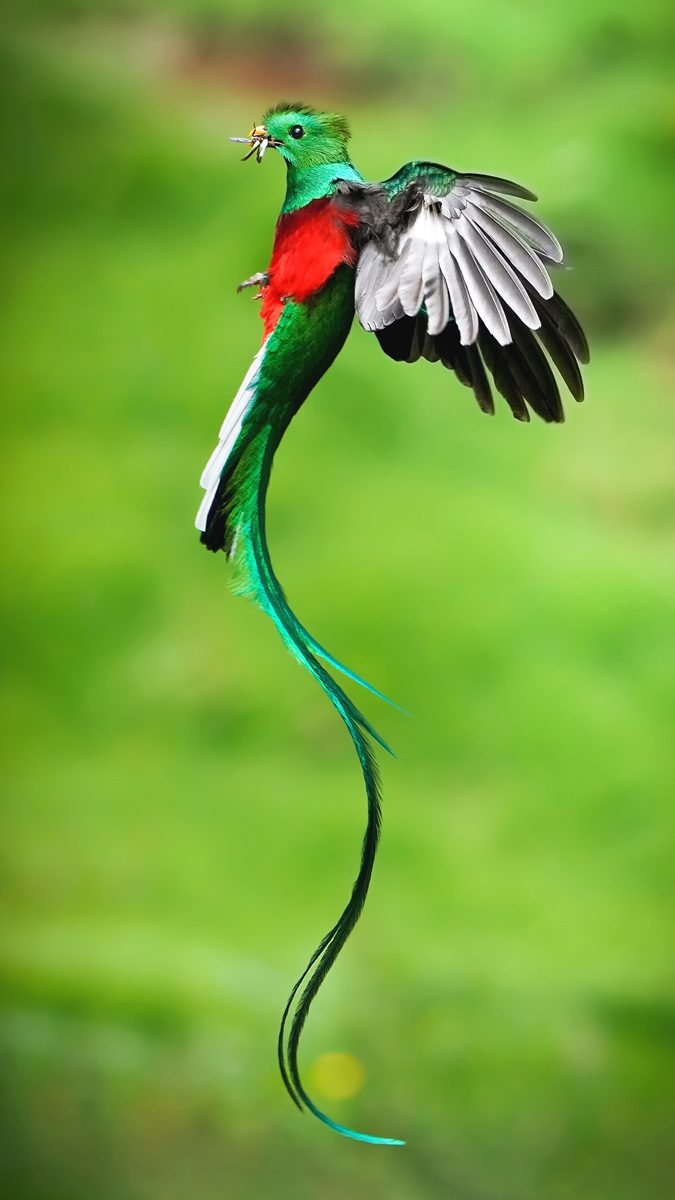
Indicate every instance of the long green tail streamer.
{"type": "Point", "coordinates": [259, 580]}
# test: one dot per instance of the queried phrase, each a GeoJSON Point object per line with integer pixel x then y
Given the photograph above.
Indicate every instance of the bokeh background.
{"type": "Point", "coordinates": [184, 810]}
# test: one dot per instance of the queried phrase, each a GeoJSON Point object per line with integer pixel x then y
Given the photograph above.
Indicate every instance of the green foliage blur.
{"type": "Point", "coordinates": [184, 811]}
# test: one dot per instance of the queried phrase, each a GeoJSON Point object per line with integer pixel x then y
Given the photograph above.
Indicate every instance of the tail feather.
{"type": "Point", "coordinates": [220, 480]}
{"type": "Point", "coordinates": [347, 671]}
{"type": "Point", "coordinates": [246, 513]}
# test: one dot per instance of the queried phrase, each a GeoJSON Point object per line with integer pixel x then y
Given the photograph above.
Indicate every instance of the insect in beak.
{"type": "Point", "coordinates": [258, 139]}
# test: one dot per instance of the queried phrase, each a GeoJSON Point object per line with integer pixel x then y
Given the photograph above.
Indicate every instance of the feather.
{"type": "Point", "coordinates": [568, 327]}
{"type": "Point", "coordinates": [275, 385]}
{"type": "Point", "coordinates": [560, 353]}
{"type": "Point", "coordinates": [463, 308]}
{"type": "Point", "coordinates": [453, 354]}
{"type": "Point", "coordinates": [372, 269]}
{"type": "Point", "coordinates": [418, 339]}
{"type": "Point", "coordinates": [265, 586]}
{"type": "Point", "coordinates": [498, 365]}
{"type": "Point", "coordinates": [387, 295]}
{"type": "Point", "coordinates": [502, 277]}
{"type": "Point", "coordinates": [436, 298]}
{"type": "Point", "coordinates": [523, 258]}
{"type": "Point", "coordinates": [479, 379]}
{"type": "Point", "coordinates": [483, 295]}
{"type": "Point", "coordinates": [429, 349]}
{"type": "Point", "coordinates": [525, 380]}
{"type": "Point", "coordinates": [545, 400]}
{"type": "Point", "coordinates": [411, 285]}
{"type": "Point", "coordinates": [396, 339]}
{"type": "Point", "coordinates": [537, 234]}
{"type": "Point", "coordinates": [229, 432]}
{"type": "Point", "coordinates": [492, 183]}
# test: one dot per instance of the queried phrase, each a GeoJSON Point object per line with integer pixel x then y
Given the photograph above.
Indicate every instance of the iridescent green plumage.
{"type": "Point", "coordinates": [290, 369]}
{"type": "Point", "coordinates": [439, 265]}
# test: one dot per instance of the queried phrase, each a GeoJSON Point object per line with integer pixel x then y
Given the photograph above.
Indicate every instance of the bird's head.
{"type": "Point", "coordinates": [303, 136]}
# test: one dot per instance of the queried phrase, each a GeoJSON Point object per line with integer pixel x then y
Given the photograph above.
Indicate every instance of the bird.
{"type": "Point", "coordinates": [439, 265]}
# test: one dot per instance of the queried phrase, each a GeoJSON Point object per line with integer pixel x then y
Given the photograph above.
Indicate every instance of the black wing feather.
{"type": "Point", "coordinates": [521, 372]}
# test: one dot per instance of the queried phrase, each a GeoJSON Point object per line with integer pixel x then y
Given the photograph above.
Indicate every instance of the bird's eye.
{"type": "Point", "coordinates": [297, 131]}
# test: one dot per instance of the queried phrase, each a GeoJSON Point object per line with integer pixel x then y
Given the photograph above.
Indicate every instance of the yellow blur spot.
{"type": "Point", "coordinates": [337, 1076]}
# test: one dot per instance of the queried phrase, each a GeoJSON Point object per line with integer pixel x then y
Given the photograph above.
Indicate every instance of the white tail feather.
{"type": "Point", "coordinates": [229, 432]}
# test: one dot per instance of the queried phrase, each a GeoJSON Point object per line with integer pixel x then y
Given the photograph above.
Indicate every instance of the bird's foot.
{"type": "Point", "coordinates": [259, 280]}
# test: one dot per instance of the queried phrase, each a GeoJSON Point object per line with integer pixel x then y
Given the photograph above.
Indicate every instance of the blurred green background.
{"type": "Point", "coordinates": [184, 810]}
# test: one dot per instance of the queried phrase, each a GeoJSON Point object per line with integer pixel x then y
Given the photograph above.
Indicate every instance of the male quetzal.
{"type": "Point", "coordinates": [439, 265]}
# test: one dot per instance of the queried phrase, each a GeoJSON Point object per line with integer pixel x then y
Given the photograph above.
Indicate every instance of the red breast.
{"type": "Point", "coordinates": [308, 246]}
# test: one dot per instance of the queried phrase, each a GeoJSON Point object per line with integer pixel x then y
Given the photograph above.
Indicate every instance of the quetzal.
{"type": "Point", "coordinates": [438, 265]}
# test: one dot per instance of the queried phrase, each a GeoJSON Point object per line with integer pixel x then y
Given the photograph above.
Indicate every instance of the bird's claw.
{"type": "Point", "coordinates": [260, 279]}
